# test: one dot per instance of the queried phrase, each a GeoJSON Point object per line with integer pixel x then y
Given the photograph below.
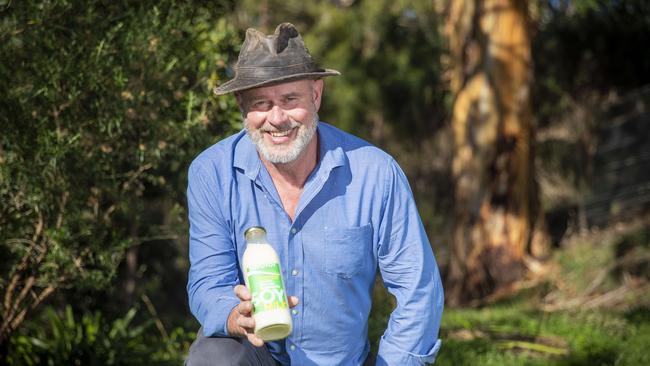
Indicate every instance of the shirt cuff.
{"type": "Point", "coordinates": [391, 355]}
{"type": "Point", "coordinates": [216, 323]}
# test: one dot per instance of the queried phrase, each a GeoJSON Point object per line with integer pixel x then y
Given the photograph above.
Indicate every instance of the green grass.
{"type": "Point", "coordinates": [517, 331]}
{"type": "Point", "coordinates": [516, 335]}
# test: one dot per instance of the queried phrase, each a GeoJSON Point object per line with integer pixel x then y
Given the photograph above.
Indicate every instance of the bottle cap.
{"type": "Point", "coordinates": [254, 232]}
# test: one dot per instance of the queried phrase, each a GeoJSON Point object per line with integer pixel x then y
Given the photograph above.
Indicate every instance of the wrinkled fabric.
{"type": "Point", "coordinates": [356, 216]}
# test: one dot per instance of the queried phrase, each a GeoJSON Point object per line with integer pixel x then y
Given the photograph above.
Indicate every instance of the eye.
{"type": "Point", "coordinates": [291, 100]}
{"type": "Point", "coordinates": [261, 105]}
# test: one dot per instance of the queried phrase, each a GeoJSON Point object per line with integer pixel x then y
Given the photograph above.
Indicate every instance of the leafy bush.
{"type": "Point", "coordinates": [104, 104]}
{"type": "Point", "coordinates": [93, 340]}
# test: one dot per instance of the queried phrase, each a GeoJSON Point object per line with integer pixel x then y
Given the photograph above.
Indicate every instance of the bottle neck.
{"type": "Point", "coordinates": [256, 238]}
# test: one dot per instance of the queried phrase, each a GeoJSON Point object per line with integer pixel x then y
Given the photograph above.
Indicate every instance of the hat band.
{"type": "Point", "coordinates": [273, 72]}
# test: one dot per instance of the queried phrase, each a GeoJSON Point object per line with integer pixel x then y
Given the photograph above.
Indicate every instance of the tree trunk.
{"type": "Point", "coordinates": [495, 193]}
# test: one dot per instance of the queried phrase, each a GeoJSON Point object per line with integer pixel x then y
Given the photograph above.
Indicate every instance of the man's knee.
{"type": "Point", "coordinates": [206, 351]}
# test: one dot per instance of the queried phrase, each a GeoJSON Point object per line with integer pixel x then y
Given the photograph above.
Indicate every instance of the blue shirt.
{"type": "Point", "coordinates": [356, 215]}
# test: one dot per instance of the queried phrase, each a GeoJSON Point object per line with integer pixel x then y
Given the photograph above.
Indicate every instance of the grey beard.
{"type": "Point", "coordinates": [305, 134]}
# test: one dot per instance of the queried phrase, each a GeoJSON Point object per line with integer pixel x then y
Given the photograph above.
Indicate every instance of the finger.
{"type": "Point", "coordinates": [255, 340]}
{"type": "Point", "coordinates": [293, 301]}
{"type": "Point", "coordinates": [247, 323]}
{"type": "Point", "coordinates": [242, 292]}
{"type": "Point", "coordinates": [244, 308]}
{"type": "Point", "coordinates": [234, 327]}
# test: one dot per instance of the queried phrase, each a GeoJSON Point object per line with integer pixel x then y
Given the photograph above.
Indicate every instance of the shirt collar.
{"type": "Point", "coordinates": [246, 157]}
{"type": "Point", "coordinates": [330, 153]}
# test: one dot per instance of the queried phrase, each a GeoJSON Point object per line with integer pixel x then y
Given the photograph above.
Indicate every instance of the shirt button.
{"type": "Point", "coordinates": [293, 230]}
{"type": "Point", "coordinates": [292, 347]}
{"type": "Point", "coordinates": [294, 311]}
{"type": "Point", "coordinates": [294, 272]}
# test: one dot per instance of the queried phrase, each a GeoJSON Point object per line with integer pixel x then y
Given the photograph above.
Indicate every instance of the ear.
{"type": "Point", "coordinates": [317, 92]}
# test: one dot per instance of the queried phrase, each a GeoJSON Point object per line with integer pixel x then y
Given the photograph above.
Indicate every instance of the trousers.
{"type": "Point", "coordinates": [224, 351]}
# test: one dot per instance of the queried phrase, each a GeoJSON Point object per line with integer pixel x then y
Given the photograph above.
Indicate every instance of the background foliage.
{"type": "Point", "coordinates": [105, 103]}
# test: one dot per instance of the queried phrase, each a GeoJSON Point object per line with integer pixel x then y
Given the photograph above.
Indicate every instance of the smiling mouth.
{"type": "Point", "coordinates": [280, 133]}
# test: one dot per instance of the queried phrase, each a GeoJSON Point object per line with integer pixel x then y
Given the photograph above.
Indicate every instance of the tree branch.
{"type": "Point", "coordinates": [59, 218]}
{"type": "Point", "coordinates": [22, 266]}
{"type": "Point", "coordinates": [154, 314]}
{"type": "Point", "coordinates": [38, 299]}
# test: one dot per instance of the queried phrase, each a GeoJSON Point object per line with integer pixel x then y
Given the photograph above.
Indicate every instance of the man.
{"type": "Point", "coordinates": [336, 210]}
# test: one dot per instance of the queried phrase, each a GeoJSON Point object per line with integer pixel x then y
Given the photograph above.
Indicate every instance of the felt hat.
{"type": "Point", "coordinates": [269, 59]}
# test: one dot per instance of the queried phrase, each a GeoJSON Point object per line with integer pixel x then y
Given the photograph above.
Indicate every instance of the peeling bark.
{"type": "Point", "coordinates": [495, 193]}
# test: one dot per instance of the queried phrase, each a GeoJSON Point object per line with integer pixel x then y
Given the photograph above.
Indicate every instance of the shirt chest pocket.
{"type": "Point", "coordinates": [347, 250]}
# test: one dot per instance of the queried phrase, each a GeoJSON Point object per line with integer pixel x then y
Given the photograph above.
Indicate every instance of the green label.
{"type": "Point", "coordinates": [266, 287]}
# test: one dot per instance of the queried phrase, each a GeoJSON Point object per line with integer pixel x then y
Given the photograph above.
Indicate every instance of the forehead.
{"type": "Point", "coordinates": [291, 87]}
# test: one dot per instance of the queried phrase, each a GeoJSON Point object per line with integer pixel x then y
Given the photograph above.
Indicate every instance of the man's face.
{"type": "Point", "coordinates": [281, 119]}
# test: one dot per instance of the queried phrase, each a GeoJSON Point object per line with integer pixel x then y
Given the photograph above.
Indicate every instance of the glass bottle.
{"type": "Point", "coordinates": [263, 277]}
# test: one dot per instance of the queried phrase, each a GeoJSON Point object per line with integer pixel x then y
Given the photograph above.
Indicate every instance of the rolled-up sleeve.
{"type": "Point", "coordinates": [410, 273]}
{"type": "Point", "coordinates": [390, 354]}
{"type": "Point", "coordinates": [213, 262]}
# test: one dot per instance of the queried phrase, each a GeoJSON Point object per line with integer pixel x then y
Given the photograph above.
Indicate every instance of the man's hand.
{"type": "Point", "coordinates": [240, 320]}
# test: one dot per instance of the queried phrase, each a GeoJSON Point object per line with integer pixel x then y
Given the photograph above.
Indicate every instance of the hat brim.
{"type": "Point", "coordinates": [240, 84]}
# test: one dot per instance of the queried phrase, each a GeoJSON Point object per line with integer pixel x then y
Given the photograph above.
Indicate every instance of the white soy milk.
{"type": "Point", "coordinates": [263, 277]}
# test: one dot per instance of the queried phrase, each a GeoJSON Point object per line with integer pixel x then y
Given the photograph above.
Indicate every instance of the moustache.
{"type": "Point", "coordinates": [267, 127]}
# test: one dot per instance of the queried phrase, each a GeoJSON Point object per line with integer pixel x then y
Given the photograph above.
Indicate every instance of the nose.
{"type": "Point", "coordinates": [276, 116]}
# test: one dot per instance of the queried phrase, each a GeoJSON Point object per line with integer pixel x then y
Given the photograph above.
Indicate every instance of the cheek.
{"type": "Point", "coordinates": [300, 114]}
{"type": "Point", "coordinates": [254, 120]}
